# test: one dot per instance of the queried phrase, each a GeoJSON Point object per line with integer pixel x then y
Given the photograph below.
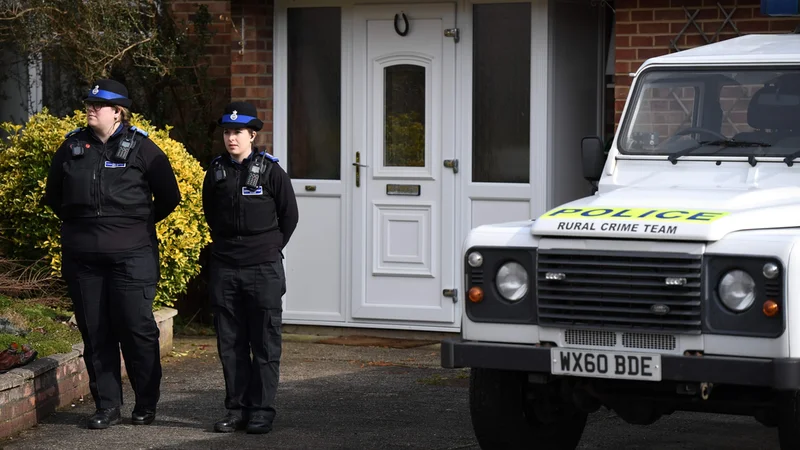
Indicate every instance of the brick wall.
{"type": "Point", "coordinates": [251, 61]}
{"type": "Point", "coordinates": [29, 394]}
{"type": "Point", "coordinates": [242, 69]}
{"type": "Point", "coordinates": [646, 28]}
{"type": "Point", "coordinates": [218, 51]}
{"type": "Point", "coordinates": [216, 61]}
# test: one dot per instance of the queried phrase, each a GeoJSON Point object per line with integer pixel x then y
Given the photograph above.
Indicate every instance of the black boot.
{"type": "Point", "coordinates": [259, 424]}
{"type": "Point", "coordinates": [104, 418]}
{"type": "Point", "coordinates": [230, 423]}
{"type": "Point", "coordinates": [143, 416]}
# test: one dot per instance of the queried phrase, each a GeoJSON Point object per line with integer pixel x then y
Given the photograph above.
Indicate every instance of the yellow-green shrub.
{"type": "Point", "coordinates": [30, 230]}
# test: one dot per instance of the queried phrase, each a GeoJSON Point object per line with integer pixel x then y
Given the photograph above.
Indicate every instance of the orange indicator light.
{"type": "Point", "coordinates": [475, 294]}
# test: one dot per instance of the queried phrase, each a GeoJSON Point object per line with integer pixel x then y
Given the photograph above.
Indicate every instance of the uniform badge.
{"type": "Point", "coordinates": [234, 115]}
{"type": "Point", "coordinates": [96, 89]}
{"type": "Point", "coordinates": [258, 191]}
{"type": "Point", "coordinates": [114, 165]}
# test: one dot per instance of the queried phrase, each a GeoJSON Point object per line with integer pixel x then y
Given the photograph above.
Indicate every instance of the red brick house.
{"type": "Point", "coordinates": [368, 107]}
{"type": "Point", "coordinates": [404, 125]}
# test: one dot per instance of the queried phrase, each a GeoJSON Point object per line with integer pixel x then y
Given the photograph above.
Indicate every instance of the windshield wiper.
{"type": "Point", "coordinates": [789, 160]}
{"type": "Point", "coordinates": [673, 157]}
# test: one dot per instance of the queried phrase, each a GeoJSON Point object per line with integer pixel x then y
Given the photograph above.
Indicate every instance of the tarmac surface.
{"type": "Point", "coordinates": [337, 397]}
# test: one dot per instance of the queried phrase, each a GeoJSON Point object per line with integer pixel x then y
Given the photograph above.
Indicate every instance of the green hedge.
{"type": "Point", "coordinates": [29, 230]}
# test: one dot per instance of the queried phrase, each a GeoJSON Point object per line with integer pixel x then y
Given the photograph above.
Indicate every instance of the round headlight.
{"type": "Point", "coordinates": [512, 281]}
{"type": "Point", "coordinates": [475, 259]}
{"type": "Point", "coordinates": [737, 290]}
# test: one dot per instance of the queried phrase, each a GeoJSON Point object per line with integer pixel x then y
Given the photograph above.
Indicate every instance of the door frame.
{"type": "Point", "coordinates": [466, 191]}
{"type": "Point", "coordinates": [442, 133]}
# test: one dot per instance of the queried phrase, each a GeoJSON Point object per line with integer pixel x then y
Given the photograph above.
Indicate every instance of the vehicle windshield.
{"type": "Point", "coordinates": [742, 112]}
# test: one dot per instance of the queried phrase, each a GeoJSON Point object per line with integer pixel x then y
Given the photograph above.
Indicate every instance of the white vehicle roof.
{"type": "Point", "coordinates": [751, 49]}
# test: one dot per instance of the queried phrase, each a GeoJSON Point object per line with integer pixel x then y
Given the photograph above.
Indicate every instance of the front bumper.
{"type": "Point", "coordinates": [780, 374]}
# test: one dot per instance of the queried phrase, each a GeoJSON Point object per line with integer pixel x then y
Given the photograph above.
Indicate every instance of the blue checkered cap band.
{"type": "Point", "coordinates": [239, 119]}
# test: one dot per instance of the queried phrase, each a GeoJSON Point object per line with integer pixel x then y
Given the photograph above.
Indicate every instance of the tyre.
{"type": "Point", "coordinates": [789, 421]}
{"type": "Point", "coordinates": [506, 414]}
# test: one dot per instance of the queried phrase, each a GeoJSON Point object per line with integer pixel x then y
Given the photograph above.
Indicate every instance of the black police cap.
{"type": "Point", "coordinates": [240, 115]}
{"type": "Point", "coordinates": [108, 91]}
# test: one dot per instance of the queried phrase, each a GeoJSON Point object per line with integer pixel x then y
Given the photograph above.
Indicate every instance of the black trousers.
{"type": "Point", "coordinates": [112, 296]}
{"type": "Point", "coordinates": [247, 316]}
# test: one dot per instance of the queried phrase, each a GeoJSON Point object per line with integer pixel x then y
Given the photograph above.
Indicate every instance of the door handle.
{"type": "Point", "coordinates": [358, 167]}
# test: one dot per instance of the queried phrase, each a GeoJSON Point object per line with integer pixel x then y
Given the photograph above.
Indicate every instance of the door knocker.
{"type": "Point", "coordinates": [405, 21]}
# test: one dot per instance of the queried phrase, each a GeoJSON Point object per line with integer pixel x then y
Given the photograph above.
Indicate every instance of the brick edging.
{"type": "Point", "coordinates": [30, 393]}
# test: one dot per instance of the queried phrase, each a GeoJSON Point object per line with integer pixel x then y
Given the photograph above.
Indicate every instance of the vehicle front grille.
{"type": "Point", "coordinates": [609, 339]}
{"type": "Point", "coordinates": [619, 291]}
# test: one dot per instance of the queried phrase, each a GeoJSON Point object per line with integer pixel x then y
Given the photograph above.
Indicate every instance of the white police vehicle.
{"type": "Point", "coordinates": [676, 286]}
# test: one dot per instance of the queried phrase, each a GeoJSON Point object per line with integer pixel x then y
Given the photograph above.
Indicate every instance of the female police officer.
{"type": "Point", "coordinates": [252, 212]}
{"type": "Point", "coordinates": [110, 184]}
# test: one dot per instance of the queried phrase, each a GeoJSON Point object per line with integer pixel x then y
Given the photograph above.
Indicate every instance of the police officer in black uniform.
{"type": "Point", "coordinates": [110, 185]}
{"type": "Point", "coordinates": [251, 209]}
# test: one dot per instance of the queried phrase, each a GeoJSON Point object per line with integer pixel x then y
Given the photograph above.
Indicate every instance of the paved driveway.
{"type": "Point", "coordinates": [336, 397]}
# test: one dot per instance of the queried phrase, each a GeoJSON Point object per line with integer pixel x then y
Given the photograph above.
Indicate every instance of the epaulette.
{"type": "Point", "coordinates": [216, 159]}
{"type": "Point", "coordinates": [269, 157]}
{"type": "Point", "coordinates": [76, 130]}
{"type": "Point", "coordinates": [140, 131]}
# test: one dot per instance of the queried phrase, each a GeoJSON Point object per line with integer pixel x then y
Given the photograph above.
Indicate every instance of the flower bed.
{"type": "Point", "coordinates": [30, 393]}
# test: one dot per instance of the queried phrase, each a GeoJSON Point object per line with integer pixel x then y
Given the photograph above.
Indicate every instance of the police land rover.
{"type": "Point", "coordinates": [675, 286]}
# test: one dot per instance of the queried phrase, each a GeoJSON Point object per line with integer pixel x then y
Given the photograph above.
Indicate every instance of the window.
{"type": "Point", "coordinates": [404, 116]}
{"type": "Point", "coordinates": [501, 85]}
{"type": "Point", "coordinates": [705, 112]}
{"type": "Point", "coordinates": [314, 93]}
{"type": "Point", "coordinates": [665, 108]}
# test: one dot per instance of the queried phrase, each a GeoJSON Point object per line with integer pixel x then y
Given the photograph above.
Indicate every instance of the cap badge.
{"type": "Point", "coordinates": [234, 116]}
{"type": "Point", "coordinates": [96, 90]}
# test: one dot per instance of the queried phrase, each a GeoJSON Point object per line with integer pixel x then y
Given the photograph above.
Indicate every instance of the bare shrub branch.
{"type": "Point", "coordinates": [26, 280]}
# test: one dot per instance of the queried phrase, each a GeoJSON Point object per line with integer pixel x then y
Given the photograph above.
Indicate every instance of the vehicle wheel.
{"type": "Point", "coordinates": [504, 416]}
{"type": "Point", "coordinates": [789, 421]}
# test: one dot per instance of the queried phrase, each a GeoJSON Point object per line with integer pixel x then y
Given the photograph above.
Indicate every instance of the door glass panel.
{"type": "Point", "coordinates": [314, 93]}
{"type": "Point", "coordinates": [501, 86]}
{"type": "Point", "coordinates": [404, 116]}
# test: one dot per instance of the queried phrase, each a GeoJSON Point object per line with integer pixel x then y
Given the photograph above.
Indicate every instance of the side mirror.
{"type": "Point", "coordinates": [593, 157]}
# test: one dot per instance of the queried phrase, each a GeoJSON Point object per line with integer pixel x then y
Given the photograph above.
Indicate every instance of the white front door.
{"type": "Point", "coordinates": [404, 197]}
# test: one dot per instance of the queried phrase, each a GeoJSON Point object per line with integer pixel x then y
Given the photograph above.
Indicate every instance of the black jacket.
{"type": "Point", "coordinates": [249, 226]}
{"type": "Point", "coordinates": [107, 205]}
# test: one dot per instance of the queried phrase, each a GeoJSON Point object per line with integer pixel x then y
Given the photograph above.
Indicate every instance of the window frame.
{"type": "Point", "coordinates": [629, 110]}
{"type": "Point", "coordinates": [472, 155]}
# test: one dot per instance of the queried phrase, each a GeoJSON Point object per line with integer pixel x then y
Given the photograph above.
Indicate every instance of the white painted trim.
{"type": "Point", "coordinates": [279, 101]}
{"type": "Point", "coordinates": [348, 175]}
{"type": "Point", "coordinates": [539, 189]}
{"type": "Point", "coordinates": [380, 170]}
{"type": "Point", "coordinates": [378, 325]}
{"type": "Point", "coordinates": [541, 171]}
{"type": "Point", "coordinates": [280, 139]}
{"type": "Point", "coordinates": [538, 192]}
{"type": "Point", "coordinates": [364, 140]}
{"type": "Point", "coordinates": [463, 142]}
